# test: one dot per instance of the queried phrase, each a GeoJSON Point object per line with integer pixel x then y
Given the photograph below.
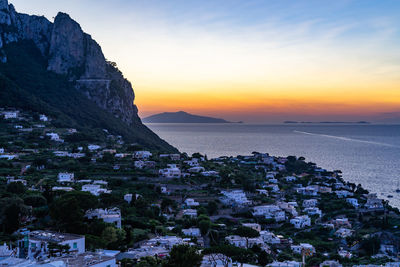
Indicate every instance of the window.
{"type": "Point", "coordinates": [75, 245]}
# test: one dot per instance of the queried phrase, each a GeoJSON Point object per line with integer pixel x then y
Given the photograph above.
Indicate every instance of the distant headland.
{"type": "Point", "coordinates": [182, 117]}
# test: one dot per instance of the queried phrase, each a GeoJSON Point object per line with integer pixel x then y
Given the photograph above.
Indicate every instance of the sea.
{"type": "Point", "coordinates": [367, 154]}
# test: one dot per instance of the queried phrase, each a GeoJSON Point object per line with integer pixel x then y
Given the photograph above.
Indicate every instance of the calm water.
{"type": "Point", "coordinates": [367, 154]}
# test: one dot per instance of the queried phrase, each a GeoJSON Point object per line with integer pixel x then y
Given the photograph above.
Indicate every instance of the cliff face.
{"type": "Point", "coordinates": [73, 53]}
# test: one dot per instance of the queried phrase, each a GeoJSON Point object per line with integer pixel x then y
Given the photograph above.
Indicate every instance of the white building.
{"type": "Point", "coordinates": [307, 248]}
{"type": "Point", "coordinates": [235, 197]}
{"type": "Point", "coordinates": [269, 237]}
{"type": "Point", "coordinates": [190, 212]}
{"type": "Point", "coordinates": [55, 137]}
{"type": "Point", "coordinates": [301, 221]}
{"type": "Point", "coordinates": [374, 203]}
{"type": "Point", "coordinates": [209, 173]}
{"type": "Point", "coordinates": [310, 203]}
{"type": "Point", "coordinates": [353, 202]}
{"type": "Point", "coordinates": [65, 177]}
{"type": "Point", "coordinates": [192, 232]}
{"type": "Point", "coordinates": [343, 193]}
{"type": "Point", "coordinates": [10, 115]}
{"type": "Point", "coordinates": [38, 242]}
{"type": "Point", "coordinates": [269, 212]}
{"type": "Point", "coordinates": [8, 156]}
{"type": "Point", "coordinates": [62, 188]}
{"type": "Point", "coordinates": [142, 154]}
{"type": "Point", "coordinates": [313, 211]}
{"type": "Point", "coordinates": [43, 117]}
{"type": "Point", "coordinates": [285, 264]}
{"type": "Point", "coordinates": [112, 216]}
{"type": "Point", "coordinates": [237, 241]}
{"type": "Point", "coordinates": [95, 189]}
{"type": "Point", "coordinates": [330, 263]}
{"type": "Point", "coordinates": [307, 191]}
{"type": "Point", "coordinates": [194, 162]}
{"type": "Point", "coordinates": [128, 198]}
{"type": "Point", "coordinates": [191, 203]}
{"type": "Point", "coordinates": [93, 147]}
{"type": "Point", "coordinates": [171, 172]}
{"type": "Point", "coordinates": [290, 178]}
{"type": "Point", "coordinates": [89, 259]}
{"type": "Point", "coordinates": [344, 232]}
{"type": "Point", "coordinates": [139, 164]}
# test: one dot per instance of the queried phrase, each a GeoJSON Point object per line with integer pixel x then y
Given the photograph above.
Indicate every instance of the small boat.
{"type": "Point", "coordinates": [390, 196]}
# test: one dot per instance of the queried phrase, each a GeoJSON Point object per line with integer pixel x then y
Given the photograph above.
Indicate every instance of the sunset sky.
{"type": "Point", "coordinates": [256, 61]}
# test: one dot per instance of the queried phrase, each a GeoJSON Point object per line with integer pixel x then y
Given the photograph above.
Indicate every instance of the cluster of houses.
{"type": "Point", "coordinates": [54, 249]}
{"type": "Point", "coordinates": [280, 198]}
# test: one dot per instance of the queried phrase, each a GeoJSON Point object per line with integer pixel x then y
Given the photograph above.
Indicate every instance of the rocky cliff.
{"type": "Point", "coordinates": [73, 54]}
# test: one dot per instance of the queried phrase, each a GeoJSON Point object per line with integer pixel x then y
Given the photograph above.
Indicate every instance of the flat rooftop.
{"type": "Point", "coordinates": [50, 236]}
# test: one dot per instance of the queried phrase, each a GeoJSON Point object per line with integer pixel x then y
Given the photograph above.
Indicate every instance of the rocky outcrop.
{"type": "Point", "coordinates": [72, 53]}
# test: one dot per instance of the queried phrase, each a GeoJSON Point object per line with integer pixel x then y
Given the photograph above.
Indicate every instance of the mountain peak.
{"type": "Point", "coordinates": [62, 47]}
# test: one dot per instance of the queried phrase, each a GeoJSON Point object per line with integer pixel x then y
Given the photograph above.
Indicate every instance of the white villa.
{"type": "Point", "coordinates": [313, 211]}
{"type": "Point", "coordinates": [269, 237]}
{"type": "Point", "coordinates": [303, 247]}
{"type": "Point", "coordinates": [353, 202]}
{"type": "Point", "coordinates": [301, 221]}
{"type": "Point", "coordinates": [43, 117]}
{"type": "Point", "coordinates": [190, 212]}
{"type": "Point", "coordinates": [10, 115]}
{"type": "Point", "coordinates": [269, 212]}
{"type": "Point", "coordinates": [310, 203]}
{"type": "Point", "coordinates": [95, 189]}
{"type": "Point", "coordinates": [192, 232]}
{"type": "Point", "coordinates": [39, 240]}
{"type": "Point", "coordinates": [235, 197]}
{"type": "Point", "coordinates": [191, 203]}
{"type": "Point", "coordinates": [112, 216]}
{"type": "Point", "coordinates": [343, 193]}
{"type": "Point", "coordinates": [65, 177]}
{"type": "Point", "coordinates": [171, 172]}
{"type": "Point", "coordinates": [142, 154]}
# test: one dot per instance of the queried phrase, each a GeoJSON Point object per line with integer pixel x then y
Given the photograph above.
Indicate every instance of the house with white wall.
{"type": "Point", "coordinates": [301, 221]}
{"type": "Point", "coordinates": [310, 203]}
{"type": "Point", "coordinates": [195, 232]}
{"type": "Point", "coordinates": [65, 177]}
{"type": "Point", "coordinates": [38, 241]}
{"type": "Point", "coordinates": [270, 212]}
{"type": "Point", "coordinates": [191, 202]}
{"type": "Point", "coordinates": [112, 216]}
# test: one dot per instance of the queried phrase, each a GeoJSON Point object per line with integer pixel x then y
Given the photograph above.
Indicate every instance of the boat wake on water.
{"type": "Point", "coordinates": [347, 139]}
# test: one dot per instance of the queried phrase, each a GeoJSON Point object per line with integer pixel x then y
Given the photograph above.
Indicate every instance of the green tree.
{"type": "Point", "coordinates": [246, 232]}
{"type": "Point", "coordinates": [16, 188]}
{"type": "Point", "coordinates": [149, 262]}
{"type": "Point", "coordinates": [212, 207]}
{"type": "Point", "coordinates": [109, 235]}
{"type": "Point", "coordinates": [183, 256]}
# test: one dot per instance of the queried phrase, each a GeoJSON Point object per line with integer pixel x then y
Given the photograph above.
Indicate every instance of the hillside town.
{"type": "Point", "coordinates": [84, 197]}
